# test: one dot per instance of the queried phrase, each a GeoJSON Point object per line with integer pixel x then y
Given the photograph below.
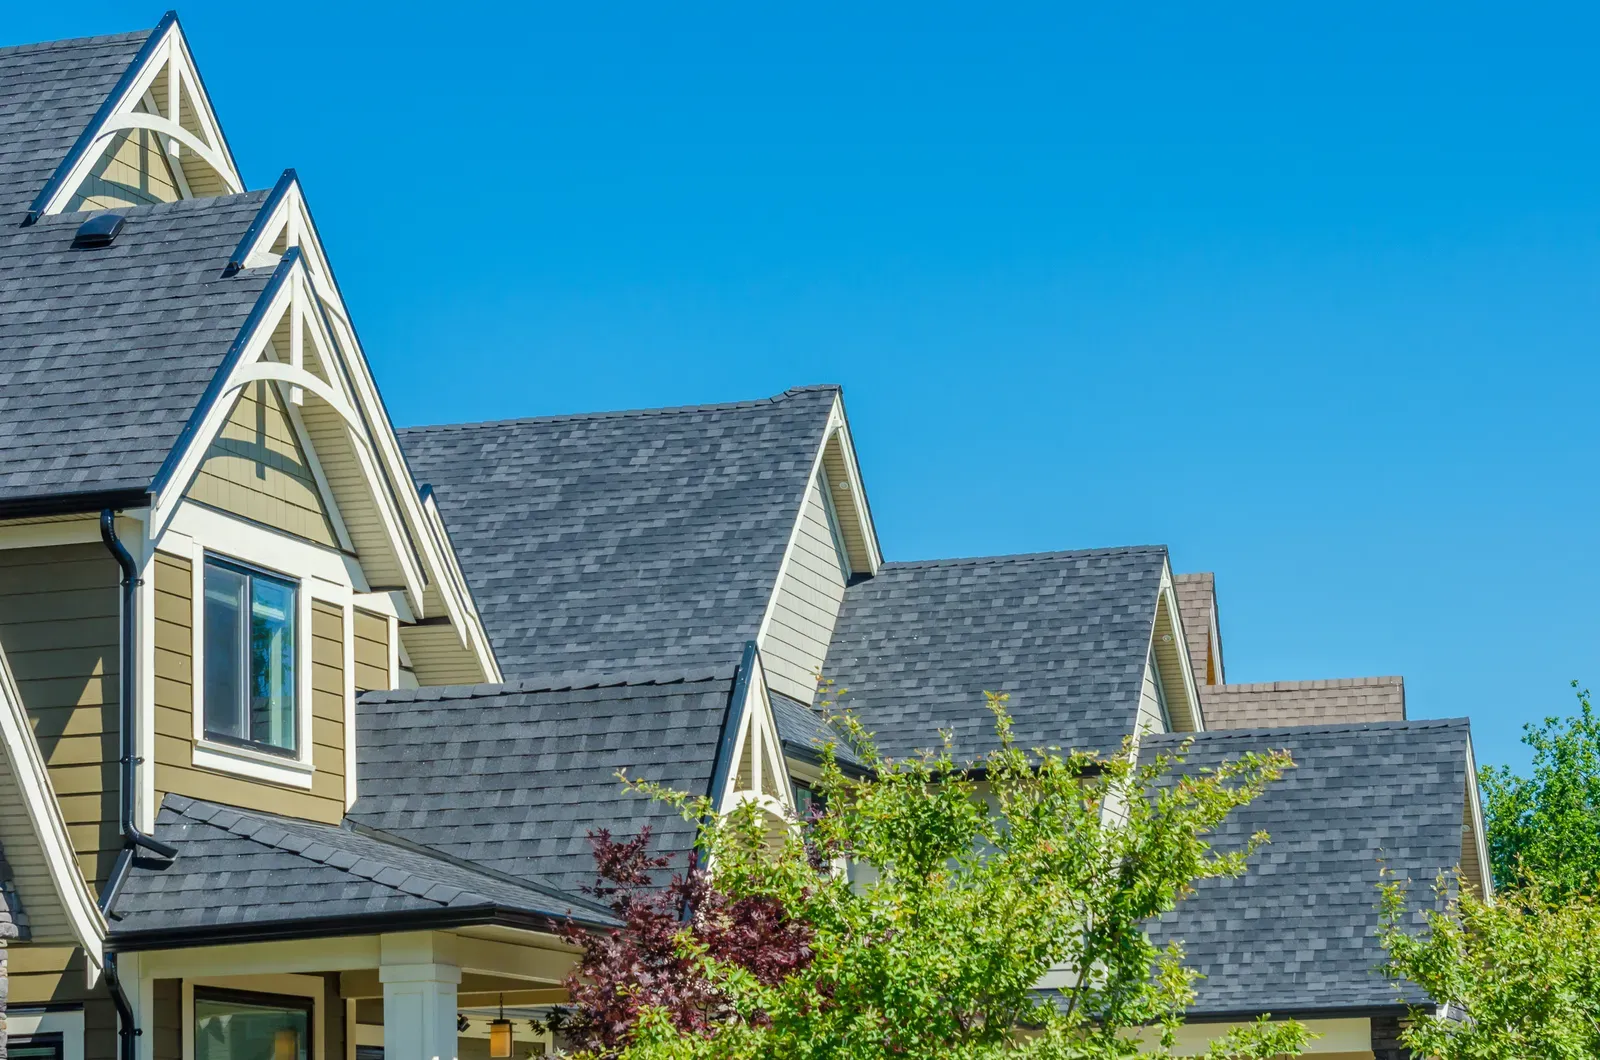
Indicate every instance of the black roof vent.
{"type": "Point", "coordinates": [98, 231]}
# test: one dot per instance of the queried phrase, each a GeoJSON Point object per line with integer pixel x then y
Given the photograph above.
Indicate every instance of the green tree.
{"type": "Point", "coordinates": [965, 887]}
{"type": "Point", "coordinates": [1520, 975]}
{"type": "Point", "coordinates": [1549, 824]}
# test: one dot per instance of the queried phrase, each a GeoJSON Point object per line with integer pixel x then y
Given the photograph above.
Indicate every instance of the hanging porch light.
{"type": "Point", "coordinates": [500, 1033]}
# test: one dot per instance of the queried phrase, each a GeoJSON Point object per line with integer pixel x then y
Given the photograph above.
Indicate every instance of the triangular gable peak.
{"type": "Point", "coordinates": [750, 765]}
{"type": "Point", "coordinates": [1171, 702]}
{"type": "Point", "coordinates": [284, 226]}
{"type": "Point", "coordinates": [291, 343]}
{"type": "Point", "coordinates": [156, 138]}
{"type": "Point", "coordinates": [832, 543]}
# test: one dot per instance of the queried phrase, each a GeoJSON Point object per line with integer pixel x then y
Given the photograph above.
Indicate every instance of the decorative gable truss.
{"type": "Point", "coordinates": [155, 139]}
{"type": "Point", "coordinates": [750, 765]}
{"type": "Point", "coordinates": [832, 542]}
{"type": "Point", "coordinates": [299, 340]}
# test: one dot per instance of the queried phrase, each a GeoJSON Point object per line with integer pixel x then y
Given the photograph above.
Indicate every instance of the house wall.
{"type": "Point", "coordinates": [59, 608]}
{"type": "Point", "coordinates": [132, 171]}
{"type": "Point", "coordinates": [175, 770]}
{"type": "Point", "coordinates": [55, 976]}
{"type": "Point", "coordinates": [256, 468]}
{"type": "Point", "coordinates": [166, 1020]}
{"type": "Point", "coordinates": [372, 651]}
{"type": "Point", "coordinates": [808, 597]}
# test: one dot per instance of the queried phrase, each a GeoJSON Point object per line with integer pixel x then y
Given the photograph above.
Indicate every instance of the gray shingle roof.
{"type": "Point", "coordinates": [628, 540]}
{"type": "Point", "coordinates": [105, 353]}
{"type": "Point", "coordinates": [1296, 933]}
{"type": "Point", "coordinates": [238, 868]}
{"type": "Point", "coordinates": [513, 777]}
{"type": "Point", "coordinates": [1064, 633]}
{"type": "Point", "coordinates": [48, 93]}
{"type": "Point", "coordinates": [1345, 699]}
{"type": "Point", "coordinates": [13, 921]}
{"type": "Point", "coordinates": [804, 732]}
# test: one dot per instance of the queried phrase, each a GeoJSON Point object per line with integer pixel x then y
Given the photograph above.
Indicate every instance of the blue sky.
{"type": "Point", "coordinates": [1308, 296]}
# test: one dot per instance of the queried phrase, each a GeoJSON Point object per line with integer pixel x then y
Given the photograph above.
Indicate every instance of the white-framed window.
{"type": "Point", "coordinates": [250, 688]}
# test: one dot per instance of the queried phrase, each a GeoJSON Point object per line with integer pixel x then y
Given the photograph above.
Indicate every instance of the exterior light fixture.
{"type": "Point", "coordinates": [500, 1033]}
{"type": "Point", "coordinates": [286, 1044]}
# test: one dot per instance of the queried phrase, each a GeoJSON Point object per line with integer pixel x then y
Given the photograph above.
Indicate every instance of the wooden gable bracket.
{"type": "Point", "coordinates": [161, 91]}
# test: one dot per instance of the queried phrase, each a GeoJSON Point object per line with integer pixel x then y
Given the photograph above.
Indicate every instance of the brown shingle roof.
{"type": "Point", "coordinates": [1196, 596]}
{"type": "Point", "coordinates": [1345, 700]}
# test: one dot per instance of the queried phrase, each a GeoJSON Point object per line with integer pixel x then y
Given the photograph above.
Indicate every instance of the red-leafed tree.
{"type": "Point", "coordinates": [643, 964]}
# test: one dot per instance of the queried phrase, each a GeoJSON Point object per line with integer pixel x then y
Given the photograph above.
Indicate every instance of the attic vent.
{"type": "Point", "coordinates": [98, 231]}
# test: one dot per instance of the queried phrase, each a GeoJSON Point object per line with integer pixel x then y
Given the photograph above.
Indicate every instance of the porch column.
{"type": "Point", "coordinates": [420, 979]}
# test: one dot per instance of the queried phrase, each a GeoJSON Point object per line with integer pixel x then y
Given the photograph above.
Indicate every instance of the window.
{"type": "Point", "coordinates": [249, 658]}
{"type": "Point", "coordinates": [37, 1047]}
{"type": "Point", "coordinates": [230, 1025]}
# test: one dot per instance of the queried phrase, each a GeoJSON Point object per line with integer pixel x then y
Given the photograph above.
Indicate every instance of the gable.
{"type": "Point", "coordinates": [154, 138]}
{"type": "Point", "coordinates": [806, 602]}
{"type": "Point", "coordinates": [257, 468]}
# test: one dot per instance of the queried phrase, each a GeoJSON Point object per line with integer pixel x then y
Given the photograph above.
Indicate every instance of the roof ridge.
{"type": "Point", "coordinates": [76, 42]}
{"type": "Point", "coordinates": [1316, 728]}
{"type": "Point", "coordinates": [574, 681]}
{"type": "Point", "coordinates": [665, 410]}
{"type": "Point", "coordinates": [1309, 683]}
{"type": "Point", "coordinates": [1028, 557]}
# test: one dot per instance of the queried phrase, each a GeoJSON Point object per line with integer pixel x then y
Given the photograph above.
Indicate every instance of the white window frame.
{"type": "Point", "coordinates": [320, 573]}
{"type": "Point", "coordinates": [66, 1022]}
{"type": "Point", "coordinates": [284, 984]}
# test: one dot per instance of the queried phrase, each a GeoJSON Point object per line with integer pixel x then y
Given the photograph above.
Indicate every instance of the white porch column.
{"type": "Point", "coordinates": [420, 978]}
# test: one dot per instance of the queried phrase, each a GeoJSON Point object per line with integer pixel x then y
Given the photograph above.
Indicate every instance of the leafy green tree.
{"type": "Point", "coordinates": [965, 887]}
{"type": "Point", "coordinates": [1549, 824]}
{"type": "Point", "coordinates": [1520, 975]}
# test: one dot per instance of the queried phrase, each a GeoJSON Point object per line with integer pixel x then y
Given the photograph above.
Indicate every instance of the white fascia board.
{"type": "Point", "coordinates": [1480, 832]}
{"type": "Point", "coordinates": [291, 217]}
{"type": "Point", "coordinates": [835, 419]}
{"type": "Point", "coordinates": [1191, 689]}
{"type": "Point", "coordinates": [169, 52]}
{"type": "Point", "coordinates": [26, 764]}
{"type": "Point", "coordinates": [869, 532]}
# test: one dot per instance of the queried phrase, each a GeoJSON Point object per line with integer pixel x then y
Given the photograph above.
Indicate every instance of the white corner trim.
{"type": "Point", "coordinates": [26, 764]}
{"type": "Point", "coordinates": [1481, 837]}
{"type": "Point", "coordinates": [349, 661]}
{"type": "Point", "coordinates": [253, 765]}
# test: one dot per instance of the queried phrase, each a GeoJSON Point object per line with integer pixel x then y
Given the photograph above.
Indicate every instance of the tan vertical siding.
{"type": "Point", "coordinates": [255, 468]}
{"type": "Point", "coordinates": [59, 608]}
{"type": "Point", "coordinates": [175, 769]}
{"type": "Point", "coordinates": [132, 171]}
{"type": "Point", "coordinates": [807, 604]}
{"type": "Point", "coordinates": [372, 651]}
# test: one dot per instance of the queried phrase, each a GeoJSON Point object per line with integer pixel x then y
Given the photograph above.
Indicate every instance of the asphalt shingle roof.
{"type": "Point", "coordinates": [1345, 699]}
{"type": "Point", "coordinates": [628, 540]}
{"type": "Point", "coordinates": [48, 93]}
{"type": "Point", "coordinates": [1297, 932]}
{"type": "Point", "coordinates": [243, 867]}
{"type": "Point", "coordinates": [1064, 633]}
{"type": "Point", "coordinates": [804, 732]}
{"type": "Point", "coordinates": [514, 777]}
{"type": "Point", "coordinates": [105, 353]}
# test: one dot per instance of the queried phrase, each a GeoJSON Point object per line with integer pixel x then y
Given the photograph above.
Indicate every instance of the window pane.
{"type": "Point", "coordinates": [37, 1047]}
{"type": "Point", "coordinates": [223, 649]}
{"type": "Point", "coordinates": [272, 684]}
{"type": "Point", "coordinates": [235, 1030]}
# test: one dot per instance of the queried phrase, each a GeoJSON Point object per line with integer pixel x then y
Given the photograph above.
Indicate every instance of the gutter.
{"type": "Point", "coordinates": [132, 838]}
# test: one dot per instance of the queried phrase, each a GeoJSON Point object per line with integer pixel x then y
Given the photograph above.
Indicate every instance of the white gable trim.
{"type": "Point", "coordinates": [758, 734]}
{"type": "Point", "coordinates": [166, 52]}
{"type": "Point", "coordinates": [25, 768]}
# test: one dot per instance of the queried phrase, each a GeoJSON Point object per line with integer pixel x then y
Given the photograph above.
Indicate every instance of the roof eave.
{"type": "Point", "coordinates": [74, 503]}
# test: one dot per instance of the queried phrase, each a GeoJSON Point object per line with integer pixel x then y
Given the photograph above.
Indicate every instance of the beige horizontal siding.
{"type": "Point", "coordinates": [59, 608]}
{"type": "Point", "coordinates": [806, 605]}
{"type": "Point", "coordinates": [174, 750]}
{"type": "Point", "coordinates": [371, 651]}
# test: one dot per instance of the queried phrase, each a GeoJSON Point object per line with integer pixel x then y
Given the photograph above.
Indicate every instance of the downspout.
{"type": "Point", "coordinates": [132, 838]}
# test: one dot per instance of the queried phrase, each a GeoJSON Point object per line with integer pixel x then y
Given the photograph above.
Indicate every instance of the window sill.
{"type": "Point", "coordinates": [255, 765]}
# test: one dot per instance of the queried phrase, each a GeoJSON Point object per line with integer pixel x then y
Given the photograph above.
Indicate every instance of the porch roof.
{"type": "Point", "coordinates": [248, 874]}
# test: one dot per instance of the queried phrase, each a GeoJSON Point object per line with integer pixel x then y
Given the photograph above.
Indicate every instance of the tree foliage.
{"type": "Point", "coordinates": [965, 887]}
{"type": "Point", "coordinates": [1520, 975]}
{"type": "Point", "coordinates": [1549, 824]}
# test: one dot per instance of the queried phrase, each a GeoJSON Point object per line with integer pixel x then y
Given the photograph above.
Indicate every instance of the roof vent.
{"type": "Point", "coordinates": [98, 231]}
